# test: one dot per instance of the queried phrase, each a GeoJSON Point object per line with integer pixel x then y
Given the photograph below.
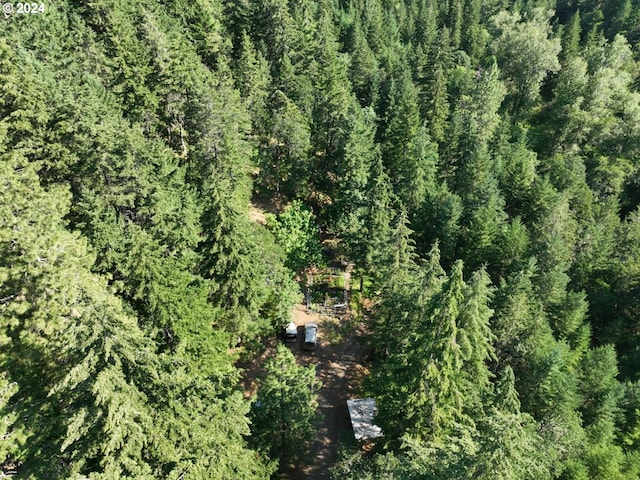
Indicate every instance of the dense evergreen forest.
{"type": "Point", "coordinates": [477, 161]}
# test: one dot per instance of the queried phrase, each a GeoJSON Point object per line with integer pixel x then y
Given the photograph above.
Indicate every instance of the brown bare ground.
{"type": "Point", "coordinates": [257, 215]}
{"type": "Point", "coordinates": [339, 358]}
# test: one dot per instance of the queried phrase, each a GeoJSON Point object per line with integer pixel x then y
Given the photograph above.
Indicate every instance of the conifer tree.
{"type": "Point", "coordinates": [350, 202]}
{"type": "Point", "coordinates": [474, 334]}
{"type": "Point", "coordinates": [508, 444]}
{"type": "Point", "coordinates": [473, 35]}
{"type": "Point", "coordinates": [438, 219]}
{"type": "Point", "coordinates": [332, 99]}
{"type": "Point", "coordinates": [205, 420]}
{"type": "Point", "coordinates": [432, 80]}
{"type": "Point", "coordinates": [228, 261]}
{"type": "Point", "coordinates": [238, 18]}
{"type": "Point", "coordinates": [571, 38]}
{"type": "Point", "coordinates": [513, 249]}
{"type": "Point", "coordinates": [305, 16]}
{"type": "Point", "coordinates": [284, 154]}
{"type": "Point", "coordinates": [433, 400]}
{"type": "Point", "coordinates": [437, 108]}
{"type": "Point", "coordinates": [404, 307]}
{"type": "Point", "coordinates": [599, 388]}
{"type": "Point", "coordinates": [475, 178]}
{"type": "Point", "coordinates": [454, 21]}
{"type": "Point", "coordinates": [378, 217]}
{"type": "Point", "coordinates": [519, 322]}
{"type": "Point", "coordinates": [253, 79]}
{"type": "Point", "coordinates": [474, 122]}
{"type": "Point", "coordinates": [554, 237]}
{"type": "Point", "coordinates": [407, 149]}
{"type": "Point", "coordinates": [275, 25]}
{"type": "Point", "coordinates": [92, 410]}
{"type": "Point", "coordinates": [484, 221]}
{"type": "Point", "coordinates": [373, 21]}
{"type": "Point", "coordinates": [516, 164]}
{"type": "Point", "coordinates": [34, 309]}
{"type": "Point", "coordinates": [284, 414]}
{"type": "Point", "coordinates": [363, 70]}
{"type": "Point", "coordinates": [401, 246]}
{"type": "Point", "coordinates": [9, 431]}
{"type": "Point", "coordinates": [426, 20]}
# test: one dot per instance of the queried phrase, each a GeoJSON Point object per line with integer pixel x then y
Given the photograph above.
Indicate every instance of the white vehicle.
{"type": "Point", "coordinates": [291, 332]}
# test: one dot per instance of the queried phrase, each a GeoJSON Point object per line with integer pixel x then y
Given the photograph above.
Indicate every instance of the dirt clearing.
{"type": "Point", "coordinates": [339, 358]}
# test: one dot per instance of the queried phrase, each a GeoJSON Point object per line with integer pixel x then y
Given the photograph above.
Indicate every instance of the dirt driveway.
{"type": "Point", "coordinates": [339, 358]}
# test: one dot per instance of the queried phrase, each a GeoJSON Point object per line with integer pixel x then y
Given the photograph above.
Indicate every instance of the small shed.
{"type": "Point", "coordinates": [362, 411]}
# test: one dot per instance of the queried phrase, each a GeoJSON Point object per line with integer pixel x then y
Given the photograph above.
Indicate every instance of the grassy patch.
{"type": "Point", "coordinates": [335, 329]}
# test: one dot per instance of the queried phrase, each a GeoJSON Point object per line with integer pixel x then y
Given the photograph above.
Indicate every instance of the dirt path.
{"type": "Point", "coordinates": [339, 361]}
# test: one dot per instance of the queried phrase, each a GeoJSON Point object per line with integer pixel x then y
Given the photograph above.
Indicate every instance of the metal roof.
{"type": "Point", "coordinates": [362, 411]}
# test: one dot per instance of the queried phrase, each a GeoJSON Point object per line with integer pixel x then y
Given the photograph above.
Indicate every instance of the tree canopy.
{"type": "Point", "coordinates": [169, 171]}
